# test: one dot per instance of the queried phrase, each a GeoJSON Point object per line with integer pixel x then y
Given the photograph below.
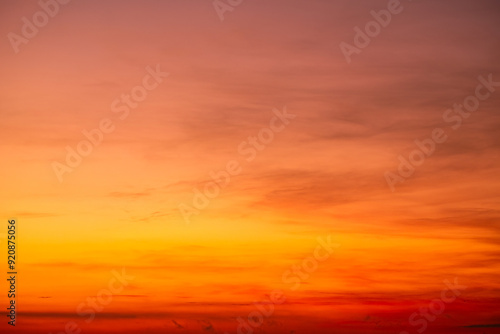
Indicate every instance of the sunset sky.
{"type": "Point", "coordinates": [262, 91]}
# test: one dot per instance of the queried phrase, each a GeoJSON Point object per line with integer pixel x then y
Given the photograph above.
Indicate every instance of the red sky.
{"type": "Point", "coordinates": [322, 174]}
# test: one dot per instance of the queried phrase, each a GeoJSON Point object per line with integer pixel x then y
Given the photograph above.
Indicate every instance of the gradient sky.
{"type": "Point", "coordinates": [322, 175]}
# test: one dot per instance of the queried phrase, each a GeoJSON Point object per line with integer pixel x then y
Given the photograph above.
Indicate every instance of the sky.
{"type": "Point", "coordinates": [173, 166]}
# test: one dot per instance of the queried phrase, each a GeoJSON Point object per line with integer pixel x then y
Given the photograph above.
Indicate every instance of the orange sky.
{"type": "Point", "coordinates": [322, 174]}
